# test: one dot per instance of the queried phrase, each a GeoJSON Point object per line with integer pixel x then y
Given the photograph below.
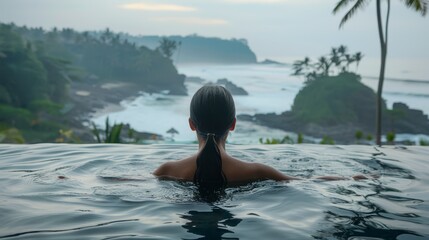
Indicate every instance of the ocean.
{"type": "Point", "coordinates": [271, 89]}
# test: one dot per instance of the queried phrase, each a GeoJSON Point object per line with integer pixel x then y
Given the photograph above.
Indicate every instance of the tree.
{"type": "Point", "coordinates": [417, 5]}
{"type": "Point", "coordinates": [357, 58]}
{"type": "Point", "coordinates": [336, 62]}
{"type": "Point", "coordinates": [167, 47]}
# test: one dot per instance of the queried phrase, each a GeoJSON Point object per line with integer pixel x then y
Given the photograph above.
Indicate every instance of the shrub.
{"type": "Point", "coordinates": [17, 117]}
{"type": "Point", "coordinates": [327, 140]}
{"type": "Point", "coordinates": [358, 135]}
{"type": "Point", "coordinates": [390, 137]}
{"type": "Point", "coordinates": [423, 142]}
{"type": "Point", "coordinates": [369, 137]}
{"type": "Point", "coordinates": [300, 138]}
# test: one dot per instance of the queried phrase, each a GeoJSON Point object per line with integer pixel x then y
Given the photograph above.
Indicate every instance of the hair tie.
{"type": "Point", "coordinates": [207, 134]}
{"type": "Point", "coordinates": [210, 134]}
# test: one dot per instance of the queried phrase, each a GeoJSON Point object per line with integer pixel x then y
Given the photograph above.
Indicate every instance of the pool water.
{"type": "Point", "coordinates": [60, 191]}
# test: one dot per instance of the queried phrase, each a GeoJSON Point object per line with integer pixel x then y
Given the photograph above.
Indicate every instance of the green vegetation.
{"type": "Point", "coordinates": [423, 142]}
{"type": "Point", "coordinates": [112, 134]}
{"type": "Point", "coordinates": [167, 47]}
{"type": "Point", "coordinates": [284, 140]}
{"type": "Point", "coordinates": [116, 133]}
{"type": "Point", "coordinates": [198, 49]}
{"type": "Point", "coordinates": [67, 136]}
{"type": "Point", "coordinates": [337, 61]}
{"type": "Point", "coordinates": [333, 100]}
{"type": "Point", "coordinates": [419, 6]}
{"type": "Point", "coordinates": [326, 140]}
{"type": "Point", "coordinates": [33, 88]}
{"type": "Point", "coordinates": [38, 66]}
{"type": "Point", "coordinates": [390, 137]}
{"type": "Point", "coordinates": [11, 135]}
{"type": "Point", "coordinates": [300, 138]}
{"type": "Point", "coordinates": [333, 95]}
{"type": "Point", "coordinates": [358, 135]}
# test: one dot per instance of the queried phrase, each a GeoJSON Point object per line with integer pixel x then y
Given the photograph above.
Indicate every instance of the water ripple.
{"type": "Point", "coordinates": [60, 191]}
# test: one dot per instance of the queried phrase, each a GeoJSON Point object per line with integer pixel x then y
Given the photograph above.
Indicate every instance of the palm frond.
{"type": "Point", "coordinates": [420, 6]}
{"type": "Point", "coordinates": [359, 4]}
{"type": "Point", "coordinates": [340, 5]}
{"type": "Point", "coordinates": [96, 132]}
{"type": "Point", "coordinates": [115, 134]}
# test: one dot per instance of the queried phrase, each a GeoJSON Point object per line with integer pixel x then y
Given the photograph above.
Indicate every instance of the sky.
{"type": "Point", "coordinates": [283, 30]}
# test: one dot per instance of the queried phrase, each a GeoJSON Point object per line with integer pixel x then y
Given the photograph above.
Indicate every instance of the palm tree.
{"type": "Point", "coordinates": [419, 6]}
{"type": "Point", "coordinates": [167, 47]}
{"type": "Point", "coordinates": [357, 57]}
{"type": "Point", "coordinates": [335, 58]}
{"type": "Point", "coordinates": [297, 68]}
{"type": "Point", "coordinates": [349, 60]}
{"type": "Point", "coordinates": [342, 50]}
{"type": "Point", "coordinates": [324, 65]}
{"type": "Point", "coordinates": [300, 67]}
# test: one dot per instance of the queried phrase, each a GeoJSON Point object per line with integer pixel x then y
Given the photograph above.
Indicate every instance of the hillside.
{"type": "Point", "coordinates": [38, 69]}
{"type": "Point", "coordinates": [195, 49]}
{"type": "Point", "coordinates": [338, 106]}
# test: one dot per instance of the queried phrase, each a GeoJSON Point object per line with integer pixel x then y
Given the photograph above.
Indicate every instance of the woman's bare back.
{"type": "Point", "coordinates": [236, 171]}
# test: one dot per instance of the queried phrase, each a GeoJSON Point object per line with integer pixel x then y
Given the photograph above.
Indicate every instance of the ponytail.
{"type": "Point", "coordinates": [212, 111]}
{"type": "Point", "coordinates": [209, 174]}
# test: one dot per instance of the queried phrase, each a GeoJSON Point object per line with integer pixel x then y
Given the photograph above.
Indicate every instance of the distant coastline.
{"type": "Point", "coordinates": [195, 49]}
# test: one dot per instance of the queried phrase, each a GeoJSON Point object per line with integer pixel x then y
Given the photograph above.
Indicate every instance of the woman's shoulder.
{"type": "Point", "coordinates": [179, 169]}
{"type": "Point", "coordinates": [246, 171]}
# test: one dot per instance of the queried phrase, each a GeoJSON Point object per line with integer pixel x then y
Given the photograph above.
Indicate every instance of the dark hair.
{"type": "Point", "coordinates": [213, 113]}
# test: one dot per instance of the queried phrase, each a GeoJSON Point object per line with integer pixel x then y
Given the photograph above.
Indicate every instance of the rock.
{"type": "Point", "coordinates": [234, 89]}
{"type": "Point", "coordinates": [269, 61]}
{"type": "Point", "coordinates": [338, 106]}
{"type": "Point", "coordinates": [402, 119]}
{"type": "Point", "coordinates": [194, 79]}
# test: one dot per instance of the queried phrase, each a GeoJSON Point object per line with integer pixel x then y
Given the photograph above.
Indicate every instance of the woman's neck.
{"type": "Point", "coordinates": [220, 143]}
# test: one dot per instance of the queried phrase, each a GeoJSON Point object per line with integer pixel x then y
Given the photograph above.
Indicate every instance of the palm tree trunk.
{"type": "Point", "coordinates": [383, 47]}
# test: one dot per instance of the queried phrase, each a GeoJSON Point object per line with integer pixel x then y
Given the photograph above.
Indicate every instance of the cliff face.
{"type": "Point", "coordinates": [404, 119]}
{"type": "Point", "coordinates": [202, 50]}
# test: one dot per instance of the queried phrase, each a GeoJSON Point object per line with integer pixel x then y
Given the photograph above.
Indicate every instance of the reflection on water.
{"type": "Point", "coordinates": [373, 215]}
{"type": "Point", "coordinates": [212, 224]}
{"type": "Point", "coordinates": [60, 191]}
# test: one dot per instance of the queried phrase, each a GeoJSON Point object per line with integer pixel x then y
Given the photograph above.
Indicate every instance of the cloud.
{"type": "Point", "coordinates": [254, 1]}
{"type": "Point", "coordinates": [296, 2]}
{"type": "Point", "coordinates": [192, 20]}
{"type": "Point", "coordinates": [157, 7]}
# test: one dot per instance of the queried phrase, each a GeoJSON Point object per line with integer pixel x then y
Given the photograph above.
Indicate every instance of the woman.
{"type": "Point", "coordinates": [212, 117]}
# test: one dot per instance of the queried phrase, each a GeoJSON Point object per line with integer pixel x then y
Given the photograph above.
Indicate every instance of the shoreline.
{"type": "Point", "coordinates": [106, 109]}
{"type": "Point", "coordinates": [94, 99]}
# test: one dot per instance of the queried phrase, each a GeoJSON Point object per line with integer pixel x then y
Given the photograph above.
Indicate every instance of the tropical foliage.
{"type": "Point", "coordinates": [326, 140]}
{"type": "Point", "coordinates": [106, 56]}
{"type": "Point", "coordinates": [419, 6]}
{"type": "Point", "coordinates": [116, 133]}
{"type": "Point", "coordinates": [33, 87]}
{"type": "Point", "coordinates": [285, 140]}
{"type": "Point", "coordinates": [112, 134]}
{"type": "Point", "coordinates": [390, 137]}
{"type": "Point", "coordinates": [337, 61]}
{"type": "Point", "coordinates": [334, 100]}
{"type": "Point", "coordinates": [167, 47]}
{"type": "Point", "coordinates": [38, 66]}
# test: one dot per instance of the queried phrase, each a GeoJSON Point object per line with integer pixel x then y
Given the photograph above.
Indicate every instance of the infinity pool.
{"type": "Point", "coordinates": [56, 191]}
